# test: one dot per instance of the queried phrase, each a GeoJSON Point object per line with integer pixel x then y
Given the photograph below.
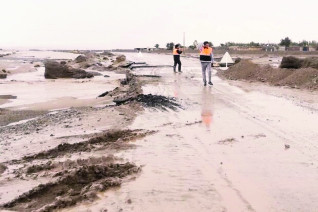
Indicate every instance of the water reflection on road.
{"type": "Point", "coordinates": [207, 102]}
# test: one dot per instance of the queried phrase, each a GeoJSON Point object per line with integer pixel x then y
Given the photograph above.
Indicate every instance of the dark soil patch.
{"type": "Point", "coordinates": [150, 76]}
{"type": "Point", "coordinates": [2, 168]}
{"type": "Point", "coordinates": [291, 62]}
{"type": "Point", "coordinates": [37, 168]}
{"type": "Point", "coordinates": [104, 94]}
{"type": "Point", "coordinates": [228, 141]}
{"type": "Point", "coordinates": [296, 63]}
{"type": "Point", "coordinates": [193, 123]}
{"type": "Point", "coordinates": [156, 101]}
{"type": "Point", "coordinates": [8, 116]}
{"type": "Point", "coordinates": [115, 139]}
{"type": "Point", "coordinates": [7, 97]}
{"type": "Point", "coordinates": [80, 185]}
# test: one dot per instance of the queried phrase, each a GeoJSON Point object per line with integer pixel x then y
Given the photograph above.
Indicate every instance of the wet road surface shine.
{"type": "Point", "coordinates": [224, 152]}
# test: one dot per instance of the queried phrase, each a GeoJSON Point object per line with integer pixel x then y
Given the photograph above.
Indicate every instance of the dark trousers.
{"type": "Point", "coordinates": [175, 65]}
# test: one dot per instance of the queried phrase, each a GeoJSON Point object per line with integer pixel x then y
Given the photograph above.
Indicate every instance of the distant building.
{"type": "Point", "coordinates": [294, 48]}
{"type": "Point", "coordinates": [255, 49]}
{"type": "Point", "coordinates": [234, 47]}
{"type": "Point", "coordinates": [245, 48]}
{"type": "Point", "coordinates": [281, 48]}
{"type": "Point", "coordinates": [145, 49]}
{"type": "Point", "coordinates": [269, 48]}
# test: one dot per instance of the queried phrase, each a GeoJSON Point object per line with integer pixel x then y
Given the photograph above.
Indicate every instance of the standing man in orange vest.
{"type": "Point", "coordinates": [176, 57]}
{"type": "Point", "coordinates": [206, 58]}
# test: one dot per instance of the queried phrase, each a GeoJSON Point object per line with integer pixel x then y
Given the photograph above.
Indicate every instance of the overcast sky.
{"type": "Point", "coordinates": [106, 24]}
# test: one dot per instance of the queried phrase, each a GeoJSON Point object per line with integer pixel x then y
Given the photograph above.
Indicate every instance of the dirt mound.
{"type": "Point", "coordinates": [296, 63]}
{"type": "Point", "coordinates": [79, 185]}
{"type": "Point", "coordinates": [295, 78]}
{"type": "Point", "coordinates": [291, 62]}
{"type": "Point", "coordinates": [80, 59]}
{"type": "Point", "coordinates": [245, 69]}
{"type": "Point", "coordinates": [54, 70]}
{"type": "Point", "coordinates": [120, 58]}
{"type": "Point", "coordinates": [311, 62]}
{"type": "Point", "coordinates": [107, 53]}
{"type": "Point", "coordinates": [302, 78]}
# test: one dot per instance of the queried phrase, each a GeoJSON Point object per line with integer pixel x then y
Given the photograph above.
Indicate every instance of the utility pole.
{"type": "Point", "coordinates": [184, 47]}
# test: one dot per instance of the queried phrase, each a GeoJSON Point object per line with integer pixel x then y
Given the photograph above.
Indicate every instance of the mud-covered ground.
{"type": "Point", "coordinates": [157, 141]}
{"type": "Point", "coordinates": [293, 77]}
{"type": "Point", "coordinates": [61, 157]}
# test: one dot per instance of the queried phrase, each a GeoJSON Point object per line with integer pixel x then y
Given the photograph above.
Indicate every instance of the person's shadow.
{"type": "Point", "coordinates": [207, 103]}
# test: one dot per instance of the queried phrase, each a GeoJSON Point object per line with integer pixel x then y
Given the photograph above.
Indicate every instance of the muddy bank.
{"type": "Point", "coordinates": [303, 78]}
{"type": "Point", "coordinates": [130, 92]}
{"type": "Point", "coordinates": [81, 184]}
{"type": "Point", "coordinates": [74, 180]}
{"type": "Point", "coordinates": [107, 140]}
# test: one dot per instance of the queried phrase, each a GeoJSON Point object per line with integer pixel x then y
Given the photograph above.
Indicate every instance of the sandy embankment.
{"type": "Point", "coordinates": [301, 77]}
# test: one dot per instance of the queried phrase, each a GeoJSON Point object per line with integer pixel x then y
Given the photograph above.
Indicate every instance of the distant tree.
{"type": "Point", "coordinates": [170, 46]}
{"type": "Point", "coordinates": [254, 44]}
{"type": "Point", "coordinates": [294, 44]}
{"type": "Point", "coordinates": [285, 42]}
{"type": "Point", "coordinates": [211, 44]}
{"type": "Point", "coordinates": [157, 46]}
{"type": "Point", "coordinates": [194, 45]}
{"type": "Point", "coordinates": [231, 44]}
{"type": "Point", "coordinates": [222, 44]}
{"type": "Point", "coordinates": [304, 43]}
{"type": "Point", "coordinates": [314, 44]}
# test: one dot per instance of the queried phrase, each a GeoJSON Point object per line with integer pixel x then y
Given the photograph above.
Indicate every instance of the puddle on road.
{"type": "Point", "coordinates": [32, 88]}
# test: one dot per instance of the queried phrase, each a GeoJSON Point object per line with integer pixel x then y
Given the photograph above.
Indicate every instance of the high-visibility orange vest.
{"type": "Point", "coordinates": [205, 54]}
{"type": "Point", "coordinates": [175, 52]}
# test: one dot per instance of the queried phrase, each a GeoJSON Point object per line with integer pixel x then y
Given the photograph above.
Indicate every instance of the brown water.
{"type": "Point", "coordinates": [33, 91]}
{"type": "Point", "coordinates": [224, 152]}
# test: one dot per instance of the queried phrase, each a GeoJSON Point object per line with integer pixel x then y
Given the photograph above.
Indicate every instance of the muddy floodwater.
{"type": "Point", "coordinates": [230, 147]}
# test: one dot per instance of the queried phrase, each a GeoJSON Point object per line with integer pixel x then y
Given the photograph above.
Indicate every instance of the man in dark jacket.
{"type": "Point", "coordinates": [176, 57]}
